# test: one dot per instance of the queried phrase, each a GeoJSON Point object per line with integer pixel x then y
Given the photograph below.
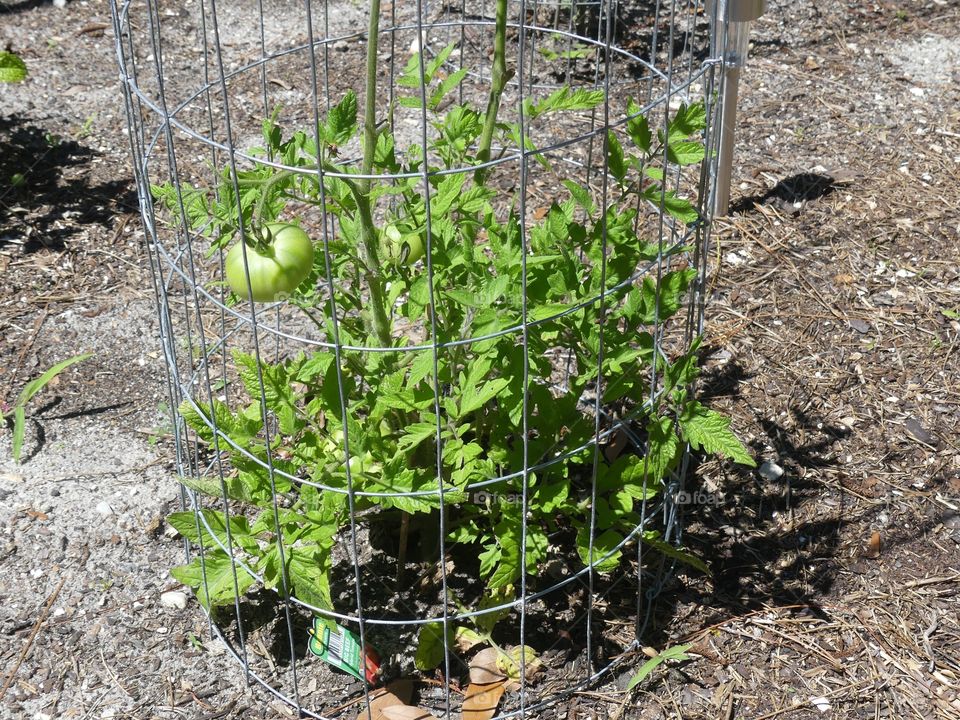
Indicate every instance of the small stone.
{"type": "Point", "coordinates": [341, 45]}
{"type": "Point", "coordinates": [174, 599]}
{"type": "Point", "coordinates": [55, 492]}
{"type": "Point", "coordinates": [770, 471]}
{"type": "Point", "coordinates": [104, 508]}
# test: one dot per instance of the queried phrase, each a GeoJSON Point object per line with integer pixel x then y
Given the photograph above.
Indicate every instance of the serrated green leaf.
{"type": "Point", "coordinates": [615, 159]}
{"type": "Point", "coordinates": [203, 485]}
{"type": "Point", "coordinates": [416, 433]}
{"type": "Point", "coordinates": [603, 544]}
{"type": "Point", "coordinates": [564, 99]}
{"type": "Point", "coordinates": [689, 119]}
{"type": "Point", "coordinates": [581, 195]}
{"type": "Point", "coordinates": [308, 569]}
{"type": "Point", "coordinates": [212, 578]}
{"type": "Point", "coordinates": [685, 152]}
{"type": "Point", "coordinates": [341, 122]}
{"type": "Point", "coordinates": [475, 398]}
{"type": "Point", "coordinates": [662, 448]}
{"type": "Point", "coordinates": [637, 127]}
{"type": "Point", "coordinates": [674, 206]}
{"type": "Point", "coordinates": [709, 431]}
{"type": "Point", "coordinates": [187, 524]}
{"type": "Point", "coordinates": [652, 538]}
{"type": "Point", "coordinates": [430, 645]}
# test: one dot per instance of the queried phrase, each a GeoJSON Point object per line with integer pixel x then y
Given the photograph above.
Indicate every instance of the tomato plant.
{"type": "Point", "coordinates": [280, 259]}
{"type": "Point", "coordinates": [480, 427]}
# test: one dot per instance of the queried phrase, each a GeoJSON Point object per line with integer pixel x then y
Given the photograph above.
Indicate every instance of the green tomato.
{"type": "Point", "coordinates": [403, 249]}
{"type": "Point", "coordinates": [277, 269]}
{"type": "Point", "coordinates": [411, 249]}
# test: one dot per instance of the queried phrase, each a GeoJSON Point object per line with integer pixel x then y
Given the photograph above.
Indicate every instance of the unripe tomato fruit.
{"type": "Point", "coordinates": [276, 270]}
{"type": "Point", "coordinates": [403, 249]}
{"type": "Point", "coordinates": [411, 249]}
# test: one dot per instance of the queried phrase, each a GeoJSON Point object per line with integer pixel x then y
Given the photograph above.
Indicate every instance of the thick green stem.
{"type": "Point", "coordinates": [498, 81]}
{"type": "Point", "coordinates": [369, 249]}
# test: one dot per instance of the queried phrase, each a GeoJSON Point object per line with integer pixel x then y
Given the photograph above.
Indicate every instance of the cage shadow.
{"type": "Point", "coordinates": [55, 206]}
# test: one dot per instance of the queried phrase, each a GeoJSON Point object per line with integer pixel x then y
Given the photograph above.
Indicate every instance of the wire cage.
{"type": "Point", "coordinates": [429, 279]}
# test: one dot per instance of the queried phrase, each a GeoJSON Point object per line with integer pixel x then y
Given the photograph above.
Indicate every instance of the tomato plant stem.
{"type": "Point", "coordinates": [498, 81]}
{"type": "Point", "coordinates": [373, 277]}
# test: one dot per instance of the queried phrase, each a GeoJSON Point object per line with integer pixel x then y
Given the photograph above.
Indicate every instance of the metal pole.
{"type": "Point", "coordinates": [733, 33]}
{"type": "Point", "coordinates": [731, 90]}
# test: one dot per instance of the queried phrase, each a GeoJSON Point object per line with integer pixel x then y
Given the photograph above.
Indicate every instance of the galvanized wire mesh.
{"type": "Point", "coordinates": [199, 80]}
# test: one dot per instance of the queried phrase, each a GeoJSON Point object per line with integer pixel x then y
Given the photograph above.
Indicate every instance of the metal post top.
{"type": "Point", "coordinates": [745, 10]}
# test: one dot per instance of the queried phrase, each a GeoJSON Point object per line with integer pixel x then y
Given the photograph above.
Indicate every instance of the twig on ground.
{"type": "Point", "coordinates": [33, 635]}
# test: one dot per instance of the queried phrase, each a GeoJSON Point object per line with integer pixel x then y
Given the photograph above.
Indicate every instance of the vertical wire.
{"type": "Point", "coordinates": [525, 330]}
{"type": "Point", "coordinates": [153, 23]}
{"type": "Point", "coordinates": [326, 51]}
{"type": "Point", "coordinates": [214, 163]}
{"type": "Point", "coordinates": [338, 347]}
{"type": "Point", "coordinates": [661, 224]}
{"type": "Point", "coordinates": [231, 158]}
{"type": "Point", "coordinates": [601, 311]}
{"type": "Point", "coordinates": [263, 68]}
{"type": "Point", "coordinates": [434, 350]}
{"type": "Point", "coordinates": [135, 135]}
{"type": "Point", "coordinates": [207, 383]}
{"type": "Point", "coordinates": [209, 388]}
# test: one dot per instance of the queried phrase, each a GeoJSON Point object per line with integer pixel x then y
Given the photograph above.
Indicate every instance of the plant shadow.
{"type": "Point", "coordinates": [46, 197]}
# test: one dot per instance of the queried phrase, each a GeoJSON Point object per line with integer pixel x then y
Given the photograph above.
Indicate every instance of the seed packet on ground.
{"type": "Point", "coordinates": [341, 648]}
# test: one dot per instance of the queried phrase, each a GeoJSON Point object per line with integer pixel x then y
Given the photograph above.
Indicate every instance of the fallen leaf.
{"type": "Point", "coordinates": [481, 701]}
{"type": "Point", "coordinates": [615, 445]}
{"type": "Point", "coordinates": [397, 693]}
{"type": "Point", "coordinates": [405, 712]}
{"type": "Point", "coordinates": [873, 547]}
{"type": "Point", "coordinates": [484, 669]}
{"type": "Point", "coordinates": [510, 664]}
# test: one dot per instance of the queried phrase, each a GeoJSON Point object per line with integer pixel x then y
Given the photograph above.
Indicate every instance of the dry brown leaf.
{"type": "Point", "coordinates": [481, 701]}
{"type": "Point", "coordinates": [396, 693]}
{"type": "Point", "coordinates": [873, 547]}
{"type": "Point", "coordinates": [484, 669]}
{"type": "Point", "coordinates": [405, 712]}
{"type": "Point", "coordinates": [615, 445]}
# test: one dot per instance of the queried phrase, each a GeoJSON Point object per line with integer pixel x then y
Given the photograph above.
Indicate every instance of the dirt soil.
{"type": "Point", "coordinates": [833, 333]}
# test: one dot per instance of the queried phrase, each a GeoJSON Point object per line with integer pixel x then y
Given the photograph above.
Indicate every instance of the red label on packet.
{"type": "Point", "coordinates": [341, 648]}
